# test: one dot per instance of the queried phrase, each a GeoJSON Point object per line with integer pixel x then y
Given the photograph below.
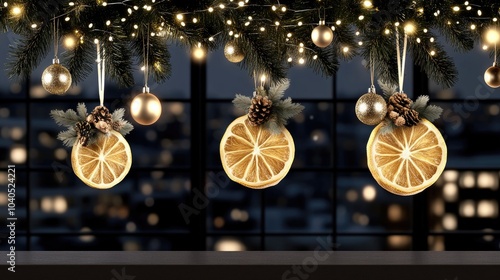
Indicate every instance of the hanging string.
{"type": "Point", "coordinates": [372, 73]}
{"type": "Point", "coordinates": [101, 71]}
{"type": "Point", "coordinates": [401, 58]}
{"type": "Point", "coordinates": [496, 41]}
{"type": "Point", "coordinates": [56, 39]}
{"type": "Point", "coordinates": [145, 51]}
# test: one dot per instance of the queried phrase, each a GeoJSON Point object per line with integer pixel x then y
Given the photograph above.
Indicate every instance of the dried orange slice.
{"type": "Point", "coordinates": [407, 160]}
{"type": "Point", "coordinates": [253, 156]}
{"type": "Point", "coordinates": [103, 164]}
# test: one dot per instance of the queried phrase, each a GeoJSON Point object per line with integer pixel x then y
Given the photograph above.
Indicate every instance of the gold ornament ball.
{"type": "Point", "coordinates": [492, 76]}
{"type": "Point", "coordinates": [145, 108]}
{"type": "Point", "coordinates": [233, 52]}
{"type": "Point", "coordinates": [56, 79]}
{"type": "Point", "coordinates": [322, 36]}
{"type": "Point", "coordinates": [371, 108]}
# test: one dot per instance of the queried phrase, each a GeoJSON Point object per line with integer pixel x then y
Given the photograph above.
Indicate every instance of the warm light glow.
{"type": "Point", "coordinates": [367, 4]}
{"type": "Point", "coordinates": [60, 205]}
{"type": "Point", "coordinates": [369, 193]}
{"type": "Point", "coordinates": [450, 222]}
{"type": "Point", "coordinates": [450, 192]}
{"type": "Point", "coordinates": [228, 245]}
{"type": "Point", "coordinates": [69, 42]}
{"type": "Point", "coordinates": [467, 208]}
{"type": "Point", "coordinates": [199, 53]}
{"type": "Point", "coordinates": [492, 36]}
{"type": "Point", "coordinates": [18, 155]}
{"type": "Point", "coordinates": [410, 28]}
{"type": "Point", "coordinates": [16, 11]}
{"type": "Point", "coordinates": [487, 209]}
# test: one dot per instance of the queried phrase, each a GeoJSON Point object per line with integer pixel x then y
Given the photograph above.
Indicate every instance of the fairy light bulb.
{"type": "Point", "coordinates": [69, 42]}
{"type": "Point", "coordinates": [410, 28]}
{"type": "Point", "coordinates": [16, 11]}
{"type": "Point", "coordinates": [492, 36]}
{"type": "Point", "coordinates": [367, 4]}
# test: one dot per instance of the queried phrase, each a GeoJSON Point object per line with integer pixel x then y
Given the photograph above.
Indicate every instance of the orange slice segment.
{"type": "Point", "coordinates": [103, 164]}
{"type": "Point", "coordinates": [407, 160]}
{"type": "Point", "coordinates": [254, 157]}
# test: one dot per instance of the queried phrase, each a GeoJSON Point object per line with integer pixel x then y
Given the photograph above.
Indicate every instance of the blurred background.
{"type": "Point", "coordinates": [328, 193]}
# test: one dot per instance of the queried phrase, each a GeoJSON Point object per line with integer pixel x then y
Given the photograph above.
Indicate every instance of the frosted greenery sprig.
{"type": "Point", "coordinates": [282, 109]}
{"type": "Point", "coordinates": [70, 118]}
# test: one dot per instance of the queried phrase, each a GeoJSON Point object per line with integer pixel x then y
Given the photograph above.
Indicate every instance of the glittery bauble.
{"type": "Point", "coordinates": [371, 109]}
{"type": "Point", "coordinates": [56, 79]}
{"type": "Point", "coordinates": [492, 76]}
{"type": "Point", "coordinates": [322, 36]}
{"type": "Point", "coordinates": [145, 108]}
{"type": "Point", "coordinates": [233, 52]}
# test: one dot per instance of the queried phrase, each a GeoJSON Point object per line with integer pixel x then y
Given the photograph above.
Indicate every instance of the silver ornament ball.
{"type": "Point", "coordinates": [145, 108]}
{"type": "Point", "coordinates": [322, 35]}
{"type": "Point", "coordinates": [371, 108]}
{"type": "Point", "coordinates": [56, 79]}
{"type": "Point", "coordinates": [233, 52]}
{"type": "Point", "coordinates": [492, 76]}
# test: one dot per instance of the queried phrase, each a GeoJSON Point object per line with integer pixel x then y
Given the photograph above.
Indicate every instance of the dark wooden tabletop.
{"type": "Point", "coordinates": [253, 265]}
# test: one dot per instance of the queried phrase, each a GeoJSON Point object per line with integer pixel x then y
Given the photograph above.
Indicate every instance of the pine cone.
{"type": "Point", "coordinates": [411, 117]}
{"type": "Point", "coordinates": [101, 118]}
{"type": "Point", "coordinates": [398, 107]}
{"type": "Point", "coordinates": [84, 131]}
{"type": "Point", "coordinates": [260, 110]}
{"type": "Point", "coordinates": [400, 101]}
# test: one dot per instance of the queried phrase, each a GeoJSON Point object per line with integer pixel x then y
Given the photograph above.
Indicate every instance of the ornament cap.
{"type": "Point", "coordinates": [322, 22]}
{"type": "Point", "coordinates": [495, 64]}
{"type": "Point", "coordinates": [372, 89]}
{"type": "Point", "coordinates": [55, 60]}
{"type": "Point", "coordinates": [145, 90]}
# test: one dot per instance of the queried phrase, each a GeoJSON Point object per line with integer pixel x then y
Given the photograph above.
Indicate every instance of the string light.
{"type": "Point", "coordinates": [16, 11]}
{"type": "Point", "coordinates": [367, 4]}
{"type": "Point", "coordinates": [492, 36]}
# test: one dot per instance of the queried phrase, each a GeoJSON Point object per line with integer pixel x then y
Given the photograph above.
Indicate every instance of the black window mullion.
{"type": "Point", "coordinates": [198, 223]}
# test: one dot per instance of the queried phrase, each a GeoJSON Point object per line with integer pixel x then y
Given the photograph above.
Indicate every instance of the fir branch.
{"type": "Point", "coordinates": [274, 125]}
{"type": "Point", "coordinates": [438, 66]}
{"type": "Point", "coordinates": [387, 89]}
{"type": "Point", "coordinates": [81, 109]}
{"type": "Point", "coordinates": [125, 127]}
{"type": "Point", "coordinates": [68, 137]}
{"type": "Point", "coordinates": [67, 119]}
{"type": "Point", "coordinates": [119, 62]}
{"type": "Point", "coordinates": [388, 127]}
{"type": "Point", "coordinates": [242, 102]}
{"type": "Point", "coordinates": [118, 115]}
{"type": "Point", "coordinates": [80, 60]}
{"type": "Point", "coordinates": [420, 104]}
{"type": "Point", "coordinates": [277, 90]}
{"type": "Point", "coordinates": [432, 113]}
{"type": "Point", "coordinates": [285, 110]}
{"type": "Point", "coordinates": [28, 52]}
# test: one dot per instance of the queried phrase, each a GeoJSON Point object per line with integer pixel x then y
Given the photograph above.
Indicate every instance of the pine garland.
{"type": "Point", "coordinates": [70, 118]}
{"type": "Point", "coordinates": [268, 46]}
